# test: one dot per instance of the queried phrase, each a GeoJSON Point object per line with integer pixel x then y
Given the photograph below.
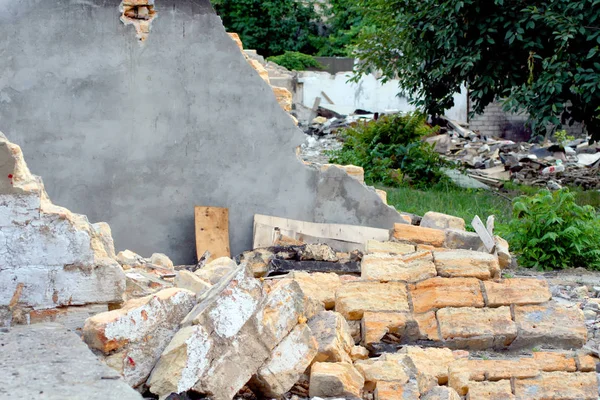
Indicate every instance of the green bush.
{"type": "Point", "coordinates": [550, 231]}
{"type": "Point", "coordinates": [391, 151]}
{"type": "Point", "coordinates": [295, 61]}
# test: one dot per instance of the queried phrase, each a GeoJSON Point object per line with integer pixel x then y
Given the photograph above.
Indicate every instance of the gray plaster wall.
{"type": "Point", "coordinates": [138, 134]}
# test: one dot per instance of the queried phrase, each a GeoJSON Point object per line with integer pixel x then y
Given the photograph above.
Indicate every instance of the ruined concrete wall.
{"type": "Point", "coordinates": [137, 134]}
{"type": "Point", "coordinates": [49, 257]}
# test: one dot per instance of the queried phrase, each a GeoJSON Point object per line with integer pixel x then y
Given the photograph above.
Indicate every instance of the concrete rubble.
{"type": "Point", "coordinates": [427, 312]}
{"type": "Point", "coordinates": [411, 319]}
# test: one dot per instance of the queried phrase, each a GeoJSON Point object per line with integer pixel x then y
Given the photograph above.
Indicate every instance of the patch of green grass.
{"type": "Point", "coordinates": [452, 200]}
{"type": "Point", "coordinates": [466, 203]}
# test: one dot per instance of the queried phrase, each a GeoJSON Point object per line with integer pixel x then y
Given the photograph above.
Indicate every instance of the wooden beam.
{"type": "Point", "coordinates": [284, 266]}
{"type": "Point", "coordinates": [212, 232]}
{"type": "Point", "coordinates": [484, 235]}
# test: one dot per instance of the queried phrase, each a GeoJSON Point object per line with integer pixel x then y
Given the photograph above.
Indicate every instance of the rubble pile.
{"type": "Point", "coordinates": [425, 315]}
{"type": "Point", "coordinates": [492, 161]}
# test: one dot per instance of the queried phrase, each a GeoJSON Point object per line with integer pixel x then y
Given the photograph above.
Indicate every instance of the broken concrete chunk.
{"type": "Point", "coordinates": [550, 324]}
{"type": "Point", "coordinates": [50, 241]}
{"type": "Point", "coordinates": [318, 286]}
{"type": "Point", "coordinates": [389, 267]}
{"type": "Point", "coordinates": [227, 306]}
{"type": "Point", "coordinates": [437, 220]}
{"type": "Point", "coordinates": [376, 370]}
{"type": "Point", "coordinates": [438, 292]}
{"type": "Point", "coordinates": [520, 291]}
{"type": "Point", "coordinates": [216, 270]}
{"type": "Point", "coordinates": [477, 328]}
{"type": "Point", "coordinates": [466, 263]}
{"type": "Point", "coordinates": [287, 363]}
{"type": "Point", "coordinates": [190, 281]}
{"type": "Point", "coordinates": [182, 361]}
{"type": "Point", "coordinates": [335, 380]}
{"type": "Point", "coordinates": [351, 302]}
{"type": "Point", "coordinates": [235, 361]}
{"type": "Point", "coordinates": [140, 283]}
{"type": "Point", "coordinates": [333, 337]}
{"type": "Point", "coordinates": [139, 331]}
{"type": "Point", "coordinates": [373, 246]}
{"type": "Point", "coordinates": [419, 235]}
{"type": "Point", "coordinates": [129, 258]}
{"type": "Point", "coordinates": [161, 260]}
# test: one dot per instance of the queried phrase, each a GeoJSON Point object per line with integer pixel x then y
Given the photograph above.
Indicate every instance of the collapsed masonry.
{"type": "Point", "coordinates": [159, 126]}
{"type": "Point", "coordinates": [401, 327]}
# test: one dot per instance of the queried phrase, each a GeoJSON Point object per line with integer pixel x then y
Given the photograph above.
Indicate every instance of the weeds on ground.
{"type": "Point", "coordinates": [549, 230]}
{"type": "Point", "coordinates": [392, 152]}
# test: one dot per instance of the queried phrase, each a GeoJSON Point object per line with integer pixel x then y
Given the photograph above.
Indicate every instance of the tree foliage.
{"type": "Point", "coordinates": [391, 151]}
{"type": "Point", "coordinates": [343, 23]}
{"type": "Point", "coordinates": [295, 61]}
{"type": "Point", "coordinates": [540, 56]}
{"type": "Point", "coordinates": [272, 26]}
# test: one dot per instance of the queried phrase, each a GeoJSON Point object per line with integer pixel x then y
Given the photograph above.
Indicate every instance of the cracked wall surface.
{"type": "Point", "coordinates": [138, 134]}
{"type": "Point", "coordinates": [49, 257]}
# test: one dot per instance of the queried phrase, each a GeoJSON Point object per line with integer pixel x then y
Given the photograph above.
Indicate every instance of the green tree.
{"type": "Point", "coordinates": [540, 56]}
{"type": "Point", "coordinates": [343, 23]}
{"type": "Point", "coordinates": [272, 26]}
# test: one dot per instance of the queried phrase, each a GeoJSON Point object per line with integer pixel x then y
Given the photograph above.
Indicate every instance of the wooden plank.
{"type": "Point", "coordinates": [212, 232]}
{"type": "Point", "coordinates": [339, 236]}
{"type": "Point", "coordinates": [484, 235]}
{"type": "Point", "coordinates": [327, 98]}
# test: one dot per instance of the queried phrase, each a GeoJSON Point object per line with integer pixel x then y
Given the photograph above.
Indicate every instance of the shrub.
{"type": "Point", "coordinates": [391, 151]}
{"type": "Point", "coordinates": [295, 61]}
{"type": "Point", "coordinates": [550, 231]}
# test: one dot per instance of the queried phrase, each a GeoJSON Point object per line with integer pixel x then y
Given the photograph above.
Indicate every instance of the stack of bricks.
{"type": "Point", "coordinates": [422, 302]}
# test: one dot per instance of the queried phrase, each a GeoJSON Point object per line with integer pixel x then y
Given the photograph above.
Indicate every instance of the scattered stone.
{"type": "Point", "coordinates": [396, 390]}
{"type": "Point", "coordinates": [333, 337]}
{"type": "Point", "coordinates": [136, 334]}
{"type": "Point", "coordinates": [335, 379]}
{"type": "Point", "coordinates": [216, 270]}
{"type": "Point", "coordinates": [359, 353]}
{"type": "Point", "coordinates": [554, 361]}
{"type": "Point", "coordinates": [500, 390]}
{"type": "Point", "coordinates": [549, 324]}
{"type": "Point", "coordinates": [558, 385]}
{"type": "Point", "coordinates": [258, 260]}
{"type": "Point", "coordinates": [161, 260]}
{"type": "Point", "coordinates": [504, 256]}
{"type": "Point", "coordinates": [190, 281]}
{"type": "Point", "coordinates": [460, 239]}
{"type": "Point", "coordinates": [351, 302]}
{"type": "Point", "coordinates": [376, 325]}
{"type": "Point", "coordinates": [287, 363]}
{"type": "Point", "coordinates": [419, 235]}
{"type": "Point", "coordinates": [130, 259]}
{"type": "Point", "coordinates": [390, 267]}
{"type": "Point", "coordinates": [318, 252]}
{"type": "Point", "coordinates": [318, 286]}
{"type": "Point", "coordinates": [437, 220]}
{"type": "Point", "coordinates": [467, 264]}
{"type": "Point", "coordinates": [438, 292]}
{"type": "Point", "coordinates": [373, 246]}
{"type": "Point", "coordinates": [431, 361]}
{"type": "Point", "coordinates": [382, 370]}
{"type": "Point", "coordinates": [441, 393]}
{"type": "Point", "coordinates": [477, 328]}
{"type": "Point", "coordinates": [520, 291]}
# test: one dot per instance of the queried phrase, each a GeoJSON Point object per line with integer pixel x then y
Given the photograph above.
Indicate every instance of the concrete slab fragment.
{"type": "Point", "coordinates": [48, 361]}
